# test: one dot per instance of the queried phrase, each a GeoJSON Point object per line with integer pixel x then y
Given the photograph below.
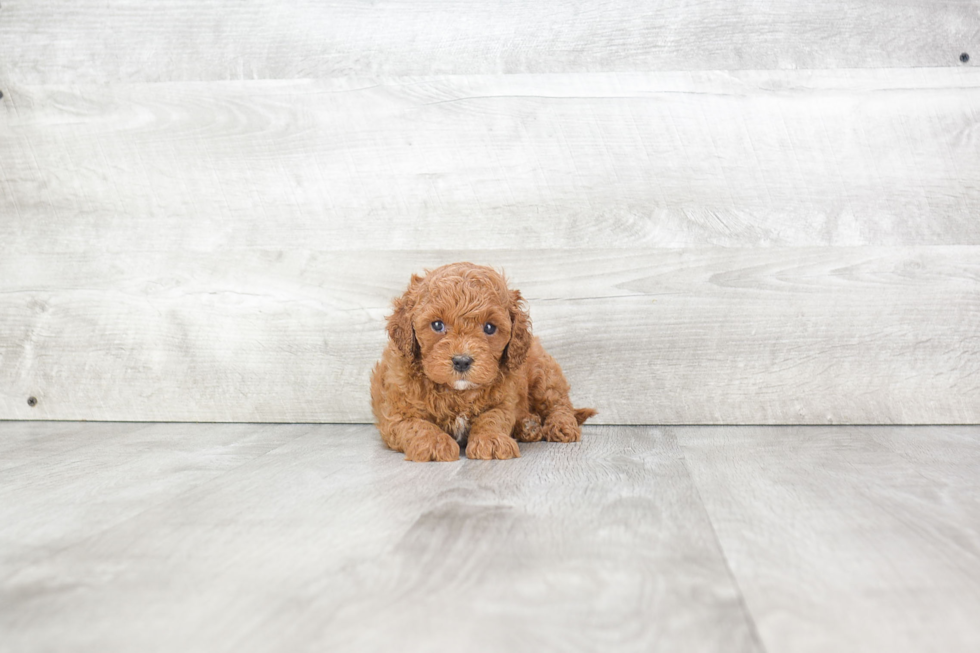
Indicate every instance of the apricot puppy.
{"type": "Point", "coordinates": [462, 369]}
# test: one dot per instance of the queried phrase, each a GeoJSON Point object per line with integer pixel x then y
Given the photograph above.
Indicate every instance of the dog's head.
{"type": "Point", "coordinates": [461, 325]}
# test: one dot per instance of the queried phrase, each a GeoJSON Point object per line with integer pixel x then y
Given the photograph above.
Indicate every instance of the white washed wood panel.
{"type": "Point", "coordinates": [847, 539]}
{"type": "Point", "coordinates": [713, 335]}
{"type": "Point", "coordinates": [91, 41]}
{"type": "Point", "coordinates": [552, 161]}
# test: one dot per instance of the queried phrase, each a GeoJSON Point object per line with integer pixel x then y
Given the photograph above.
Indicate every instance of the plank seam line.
{"type": "Point", "coordinates": [753, 627]}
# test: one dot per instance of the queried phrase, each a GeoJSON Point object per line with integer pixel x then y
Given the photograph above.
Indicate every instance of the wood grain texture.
{"type": "Point", "coordinates": [848, 539]}
{"type": "Point", "coordinates": [62, 484]}
{"type": "Point", "coordinates": [330, 542]}
{"type": "Point", "coordinates": [714, 335]}
{"type": "Point", "coordinates": [121, 40]}
{"type": "Point", "coordinates": [539, 161]}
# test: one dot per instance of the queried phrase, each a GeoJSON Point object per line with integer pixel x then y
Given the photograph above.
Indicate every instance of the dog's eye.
{"type": "Point", "coordinates": [489, 329]}
{"type": "Point", "coordinates": [438, 326]}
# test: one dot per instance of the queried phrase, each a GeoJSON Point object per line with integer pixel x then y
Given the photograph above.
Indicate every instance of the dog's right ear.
{"type": "Point", "coordinates": [400, 328]}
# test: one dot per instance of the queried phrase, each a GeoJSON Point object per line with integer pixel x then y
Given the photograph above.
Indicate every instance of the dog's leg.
{"type": "Point", "coordinates": [548, 392]}
{"type": "Point", "coordinates": [421, 441]}
{"type": "Point", "coordinates": [527, 426]}
{"type": "Point", "coordinates": [490, 436]}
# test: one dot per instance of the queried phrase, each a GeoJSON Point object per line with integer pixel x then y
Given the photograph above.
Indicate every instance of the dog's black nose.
{"type": "Point", "coordinates": [462, 363]}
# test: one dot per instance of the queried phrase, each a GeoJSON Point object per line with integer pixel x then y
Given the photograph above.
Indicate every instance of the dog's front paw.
{"type": "Point", "coordinates": [431, 445]}
{"type": "Point", "coordinates": [562, 427]}
{"type": "Point", "coordinates": [528, 429]}
{"type": "Point", "coordinates": [487, 446]}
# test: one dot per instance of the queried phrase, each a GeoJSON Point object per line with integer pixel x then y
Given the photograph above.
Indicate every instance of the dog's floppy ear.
{"type": "Point", "coordinates": [400, 328]}
{"type": "Point", "coordinates": [520, 333]}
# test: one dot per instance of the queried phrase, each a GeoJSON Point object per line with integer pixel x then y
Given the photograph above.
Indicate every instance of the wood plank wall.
{"type": "Point", "coordinates": [753, 212]}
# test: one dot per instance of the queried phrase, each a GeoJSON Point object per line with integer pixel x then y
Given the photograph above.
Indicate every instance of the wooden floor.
{"type": "Point", "coordinates": [242, 537]}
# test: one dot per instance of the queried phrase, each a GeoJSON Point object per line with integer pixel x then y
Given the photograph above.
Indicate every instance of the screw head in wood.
{"type": "Point", "coordinates": [964, 57]}
{"type": "Point", "coordinates": [32, 401]}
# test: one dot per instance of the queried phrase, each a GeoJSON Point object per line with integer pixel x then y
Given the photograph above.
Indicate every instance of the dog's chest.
{"type": "Point", "coordinates": [461, 428]}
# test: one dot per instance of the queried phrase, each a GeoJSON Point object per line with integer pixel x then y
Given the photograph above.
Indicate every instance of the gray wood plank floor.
{"type": "Point", "coordinates": [194, 537]}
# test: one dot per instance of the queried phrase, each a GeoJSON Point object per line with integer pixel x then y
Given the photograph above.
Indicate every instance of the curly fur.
{"type": "Point", "coordinates": [513, 392]}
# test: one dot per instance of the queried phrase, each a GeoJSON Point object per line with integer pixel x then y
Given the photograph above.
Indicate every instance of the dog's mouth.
{"type": "Point", "coordinates": [463, 384]}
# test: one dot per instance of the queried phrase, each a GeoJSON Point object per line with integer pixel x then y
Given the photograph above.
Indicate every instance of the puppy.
{"type": "Point", "coordinates": [462, 369]}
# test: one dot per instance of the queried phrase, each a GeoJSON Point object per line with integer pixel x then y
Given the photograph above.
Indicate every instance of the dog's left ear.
{"type": "Point", "coordinates": [520, 333]}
